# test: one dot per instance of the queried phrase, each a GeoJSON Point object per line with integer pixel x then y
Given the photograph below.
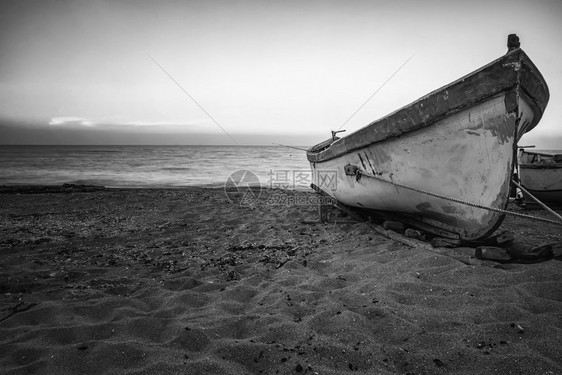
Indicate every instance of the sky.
{"type": "Point", "coordinates": [249, 72]}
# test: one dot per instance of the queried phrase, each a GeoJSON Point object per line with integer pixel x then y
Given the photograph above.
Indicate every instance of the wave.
{"type": "Point", "coordinates": [144, 166]}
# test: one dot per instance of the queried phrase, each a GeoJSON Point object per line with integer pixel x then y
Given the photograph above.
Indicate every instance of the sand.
{"type": "Point", "coordinates": [187, 282]}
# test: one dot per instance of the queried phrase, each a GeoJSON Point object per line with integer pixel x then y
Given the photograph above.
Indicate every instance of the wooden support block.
{"type": "Point", "coordinates": [445, 242]}
{"type": "Point", "coordinates": [529, 253]}
{"type": "Point", "coordinates": [502, 239]}
{"type": "Point", "coordinates": [393, 225]}
{"type": "Point", "coordinates": [496, 254]}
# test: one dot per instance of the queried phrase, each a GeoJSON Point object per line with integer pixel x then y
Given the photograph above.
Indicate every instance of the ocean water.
{"type": "Point", "coordinates": [154, 166]}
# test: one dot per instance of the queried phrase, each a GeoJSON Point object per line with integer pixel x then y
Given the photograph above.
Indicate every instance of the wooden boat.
{"type": "Point", "coordinates": [444, 162]}
{"type": "Point", "coordinates": [540, 172]}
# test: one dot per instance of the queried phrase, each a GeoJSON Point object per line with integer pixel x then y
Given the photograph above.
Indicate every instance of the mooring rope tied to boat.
{"type": "Point", "coordinates": [550, 210]}
{"type": "Point", "coordinates": [456, 200]}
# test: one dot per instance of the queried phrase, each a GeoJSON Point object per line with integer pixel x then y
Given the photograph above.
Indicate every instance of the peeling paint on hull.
{"type": "Point", "coordinates": [447, 158]}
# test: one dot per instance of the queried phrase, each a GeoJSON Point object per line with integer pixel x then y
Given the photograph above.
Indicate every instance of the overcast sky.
{"type": "Point", "coordinates": [260, 68]}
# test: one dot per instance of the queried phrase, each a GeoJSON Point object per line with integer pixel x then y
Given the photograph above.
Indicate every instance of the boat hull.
{"type": "Point", "coordinates": [478, 141]}
{"type": "Point", "coordinates": [443, 163]}
{"type": "Point", "coordinates": [543, 181]}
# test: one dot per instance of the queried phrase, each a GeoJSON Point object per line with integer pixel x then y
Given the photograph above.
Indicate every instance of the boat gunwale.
{"type": "Point", "coordinates": [542, 153]}
{"type": "Point", "coordinates": [516, 59]}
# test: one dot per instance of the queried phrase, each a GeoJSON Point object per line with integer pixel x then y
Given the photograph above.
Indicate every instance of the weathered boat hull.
{"type": "Point", "coordinates": [543, 179]}
{"type": "Point", "coordinates": [438, 161]}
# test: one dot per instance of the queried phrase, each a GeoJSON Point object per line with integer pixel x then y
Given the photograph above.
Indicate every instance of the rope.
{"type": "Point", "coordinates": [461, 201]}
{"type": "Point", "coordinates": [538, 201]}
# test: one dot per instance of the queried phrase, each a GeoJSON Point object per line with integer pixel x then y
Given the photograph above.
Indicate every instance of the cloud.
{"type": "Point", "coordinates": [82, 121]}
{"type": "Point", "coordinates": [57, 121]}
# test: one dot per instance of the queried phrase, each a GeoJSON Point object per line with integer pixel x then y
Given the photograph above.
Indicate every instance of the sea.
{"type": "Point", "coordinates": [155, 166]}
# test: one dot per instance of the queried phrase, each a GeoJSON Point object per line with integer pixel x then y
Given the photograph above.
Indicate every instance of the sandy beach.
{"type": "Point", "coordinates": [187, 281]}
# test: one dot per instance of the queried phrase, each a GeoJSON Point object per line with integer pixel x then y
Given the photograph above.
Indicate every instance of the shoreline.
{"type": "Point", "coordinates": [145, 281]}
{"type": "Point", "coordinates": [73, 187]}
